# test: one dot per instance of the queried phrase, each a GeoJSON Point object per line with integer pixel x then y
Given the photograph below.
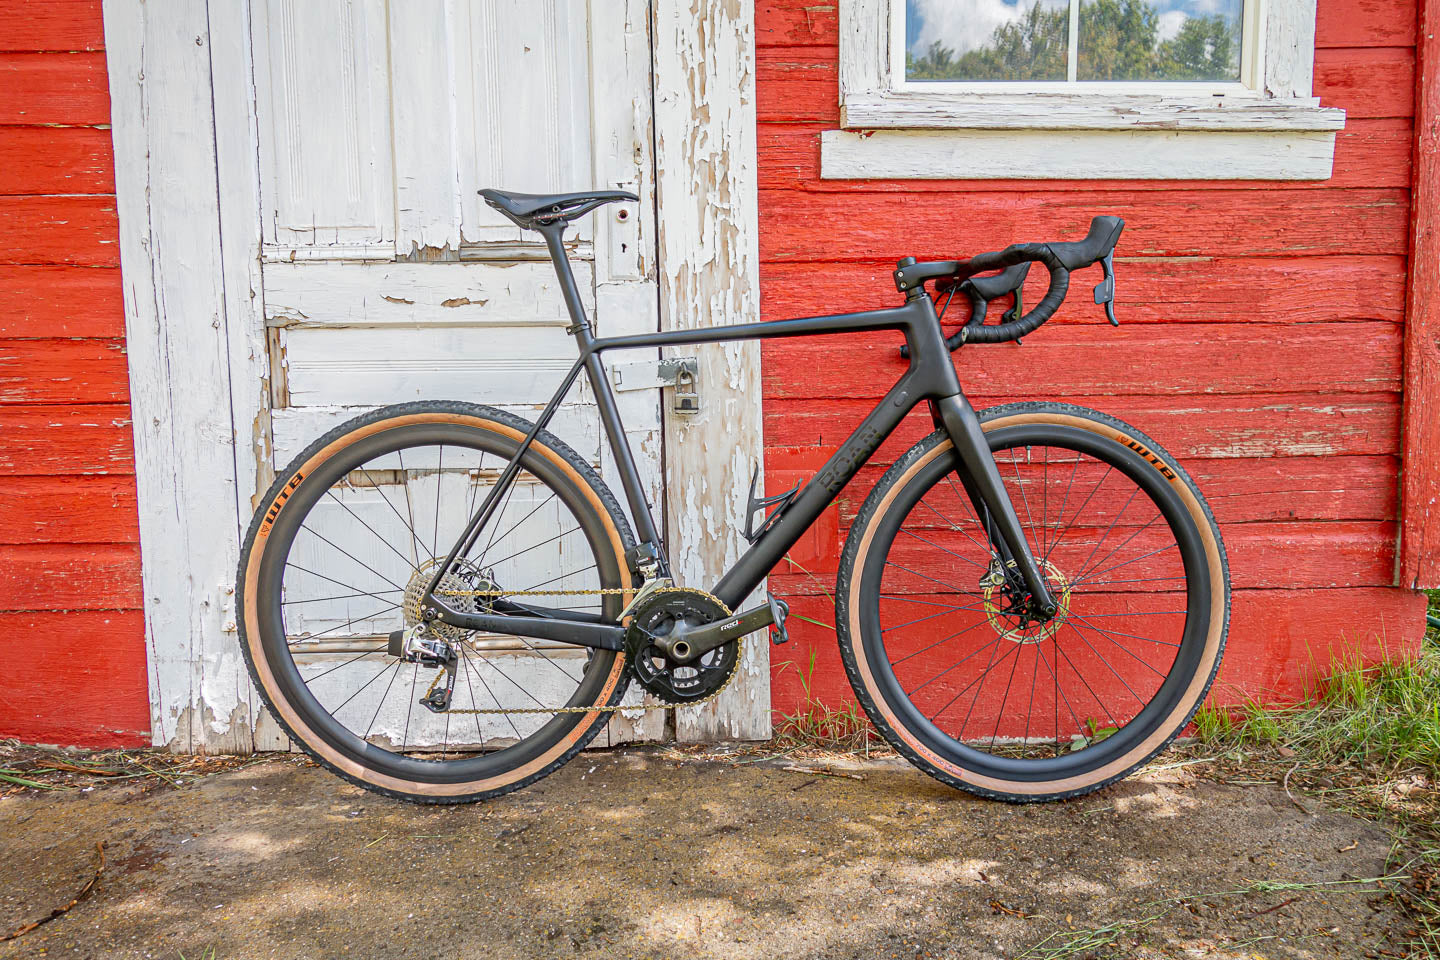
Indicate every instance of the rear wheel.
{"type": "Point", "coordinates": [952, 670]}
{"type": "Point", "coordinates": [338, 558]}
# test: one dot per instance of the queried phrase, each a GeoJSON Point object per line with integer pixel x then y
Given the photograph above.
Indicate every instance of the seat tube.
{"type": "Point", "coordinates": [609, 409]}
{"type": "Point", "coordinates": [968, 436]}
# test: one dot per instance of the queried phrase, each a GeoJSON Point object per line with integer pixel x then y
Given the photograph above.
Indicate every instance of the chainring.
{"type": "Point", "coordinates": [655, 618]}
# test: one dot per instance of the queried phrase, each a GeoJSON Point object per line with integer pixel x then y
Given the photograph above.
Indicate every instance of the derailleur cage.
{"type": "Point", "coordinates": [414, 645]}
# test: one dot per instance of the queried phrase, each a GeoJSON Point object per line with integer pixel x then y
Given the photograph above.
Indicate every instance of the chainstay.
{"type": "Point", "coordinates": [494, 711]}
{"type": "Point", "coordinates": [498, 711]}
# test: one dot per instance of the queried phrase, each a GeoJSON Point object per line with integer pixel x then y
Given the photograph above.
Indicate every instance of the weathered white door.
{"type": "Point", "coordinates": [300, 239]}
{"type": "Point", "coordinates": [384, 276]}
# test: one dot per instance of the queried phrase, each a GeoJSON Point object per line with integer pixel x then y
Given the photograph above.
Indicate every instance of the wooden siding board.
{"type": "Point", "coordinates": [1420, 543]}
{"type": "Point", "coordinates": [40, 300]}
{"type": "Point", "coordinates": [70, 577]}
{"type": "Point", "coordinates": [35, 160]}
{"type": "Point", "coordinates": [70, 510]}
{"type": "Point", "coordinates": [1202, 290]}
{"type": "Point", "coordinates": [1175, 223]}
{"type": "Point", "coordinates": [1096, 359]}
{"type": "Point", "coordinates": [1367, 82]}
{"type": "Point", "coordinates": [796, 22]}
{"type": "Point", "coordinates": [104, 703]}
{"type": "Point", "coordinates": [54, 88]}
{"type": "Point", "coordinates": [1365, 23]}
{"type": "Point", "coordinates": [1278, 639]}
{"type": "Point", "coordinates": [66, 440]}
{"type": "Point", "coordinates": [63, 371]}
{"type": "Point", "coordinates": [1271, 489]}
{"type": "Point", "coordinates": [69, 561]}
{"type": "Point", "coordinates": [1242, 427]}
{"type": "Point", "coordinates": [1294, 555]}
{"type": "Point", "coordinates": [30, 26]}
{"type": "Point", "coordinates": [73, 230]}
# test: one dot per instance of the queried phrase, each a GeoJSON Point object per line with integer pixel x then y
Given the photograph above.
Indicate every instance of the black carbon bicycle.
{"type": "Point", "coordinates": [443, 602]}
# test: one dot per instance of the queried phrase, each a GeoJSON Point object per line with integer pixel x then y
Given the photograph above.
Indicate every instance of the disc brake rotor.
{"type": "Point", "coordinates": [1010, 626]}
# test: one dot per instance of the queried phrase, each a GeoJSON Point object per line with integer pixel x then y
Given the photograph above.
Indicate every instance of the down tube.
{"type": "Point", "coordinates": [818, 494]}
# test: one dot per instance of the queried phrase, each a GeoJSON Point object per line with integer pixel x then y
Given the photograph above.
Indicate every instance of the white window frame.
{"type": "Point", "coordinates": [1252, 38]}
{"type": "Point", "coordinates": [1269, 127]}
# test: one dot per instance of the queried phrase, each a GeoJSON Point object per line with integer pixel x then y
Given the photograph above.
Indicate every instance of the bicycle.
{"type": "Point", "coordinates": [977, 557]}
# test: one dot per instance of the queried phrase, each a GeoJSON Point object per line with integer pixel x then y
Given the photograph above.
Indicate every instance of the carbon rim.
{"type": "Point", "coordinates": [414, 452]}
{"type": "Point", "coordinates": [964, 709]}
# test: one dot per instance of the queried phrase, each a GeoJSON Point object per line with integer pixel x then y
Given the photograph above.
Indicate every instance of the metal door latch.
{"type": "Point", "coordinates": [679, 373]}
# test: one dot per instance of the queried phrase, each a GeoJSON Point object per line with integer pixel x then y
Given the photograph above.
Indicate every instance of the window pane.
{"type": "Point", "coordinates": [986, 39]}
{"type": "Point", "coordinates": [1160, 39]}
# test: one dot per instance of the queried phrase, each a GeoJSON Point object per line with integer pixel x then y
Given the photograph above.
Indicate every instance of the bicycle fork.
{"type": "Point", "coordinates": [981, 479]}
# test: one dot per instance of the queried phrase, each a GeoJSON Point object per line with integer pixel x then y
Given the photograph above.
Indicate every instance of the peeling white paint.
{"type": "Point", "coordinates": [709, 258]}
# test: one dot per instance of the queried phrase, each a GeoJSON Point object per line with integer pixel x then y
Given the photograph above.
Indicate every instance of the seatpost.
{"type": "Point", "coordinates": [646, 558]}
{"type": "Point", "coordinates": [554, 233]}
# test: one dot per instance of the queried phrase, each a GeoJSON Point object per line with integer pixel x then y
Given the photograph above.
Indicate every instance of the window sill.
{"type": "Point", "coordinates": [1071, 111]}
{"type": "Point", "coordinates": [1075, 137]}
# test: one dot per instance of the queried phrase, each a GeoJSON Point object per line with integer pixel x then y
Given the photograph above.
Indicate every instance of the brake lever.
{"type": "Point", "coordinates": [1105, 289]}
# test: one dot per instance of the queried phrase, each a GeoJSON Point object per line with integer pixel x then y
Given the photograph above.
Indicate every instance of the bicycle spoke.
{"type": "Point", "coordinates": [474, 704]}
{"type": "Point", "coordinates": [932, 647]}
{"type": "Point", "coordinates": [537, 546]}
{"type": "Point", "coordinates": [408, 527]}
{"type": "Point", "coordinates": [291, 565]}
{"type": "Point", "coordinates": [389, 546]}
{"type": "Point", "coordinates": [1132, 654]}
{"type": "Point", "coordinates": [999, 714]}
{"type": "Point", "coordinates": [347, 663]}
{"type": "Point", "coordinates": [383, 697]}
{"type": "Point", "coordinates": [481, 677]}
{"type": "Point", "coordinates": [352, 557]}
{"type": "Point", "coordinates": [932, 616]}
{"type": "Point", "coordinates": [439, 489]}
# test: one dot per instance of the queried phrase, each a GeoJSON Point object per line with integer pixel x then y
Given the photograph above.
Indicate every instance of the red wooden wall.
{"type": "Point", "coordinates": [70, 620]}
{"type": "Point", "coordinates": [1260, 341]}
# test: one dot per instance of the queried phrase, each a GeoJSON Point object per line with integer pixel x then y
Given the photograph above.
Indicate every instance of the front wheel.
{"type": "Point", "coordinates": [943, 656]}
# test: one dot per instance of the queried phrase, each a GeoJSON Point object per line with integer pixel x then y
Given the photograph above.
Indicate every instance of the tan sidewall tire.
{"type": "Point", "coordinates": [291, 720]}
{"type": "Point", "coordinates": [862, 674]}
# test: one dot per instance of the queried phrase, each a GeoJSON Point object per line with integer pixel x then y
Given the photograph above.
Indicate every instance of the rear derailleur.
{"type": "Point", "coordinates": [415, 645]}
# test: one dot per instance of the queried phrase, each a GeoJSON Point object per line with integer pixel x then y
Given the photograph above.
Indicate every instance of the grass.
{"type": "Point", "coordinates": [1385, 716]}
{"type": "Point", "coordinates": [1367, 740]}
{"type": "Point", "coordinates": [815, 724]}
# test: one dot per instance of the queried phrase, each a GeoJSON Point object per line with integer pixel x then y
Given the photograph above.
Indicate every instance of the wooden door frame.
{"type": "Point", "coordinates": [187, 188]}
{"type": "Point", "coordinates": [1418, 561]}
{"type": "Point", "coordinates": [707, 182]}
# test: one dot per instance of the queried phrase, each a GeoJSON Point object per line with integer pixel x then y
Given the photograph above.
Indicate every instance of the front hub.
{"type": "Point", "coordinates": [1012, 614]}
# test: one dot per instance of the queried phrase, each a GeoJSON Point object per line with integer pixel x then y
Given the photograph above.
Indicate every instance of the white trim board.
{"type": "Point", "coordinates": [1075, 155]}
{"type": "Point", "coordinates": [708, 184]}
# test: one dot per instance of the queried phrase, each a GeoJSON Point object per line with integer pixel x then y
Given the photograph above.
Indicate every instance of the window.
{"type": "Point", "coordinates": [1112, 89]}
{"type": "Point", "coordinates": [1096, 45]}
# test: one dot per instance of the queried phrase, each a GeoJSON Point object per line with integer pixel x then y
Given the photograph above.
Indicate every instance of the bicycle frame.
{"type": "Point", "coordinates": [930, 378]}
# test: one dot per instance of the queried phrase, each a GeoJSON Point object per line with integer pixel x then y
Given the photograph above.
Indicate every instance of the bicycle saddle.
{"type": "Point", "coordinates": [525, 208]}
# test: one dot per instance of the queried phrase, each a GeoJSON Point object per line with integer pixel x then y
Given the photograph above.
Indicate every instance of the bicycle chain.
{"type": "Point", "coordinates": [492, 711]}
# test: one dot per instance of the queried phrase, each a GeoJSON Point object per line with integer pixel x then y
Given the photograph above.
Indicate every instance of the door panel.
{"type": "Point", "coordinates": [522, 102]}
{"type": "Point", "coordinates": [384, 276]}
{"type": "Point", "coordinates": [324, 110]}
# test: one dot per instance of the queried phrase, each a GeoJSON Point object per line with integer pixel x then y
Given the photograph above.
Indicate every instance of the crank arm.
{"type": "Point", "coordinates": [686, 645]}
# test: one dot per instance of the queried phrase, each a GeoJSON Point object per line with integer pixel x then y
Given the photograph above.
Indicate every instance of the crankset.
{"type": "Point", "coordinates": [662, 657]}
